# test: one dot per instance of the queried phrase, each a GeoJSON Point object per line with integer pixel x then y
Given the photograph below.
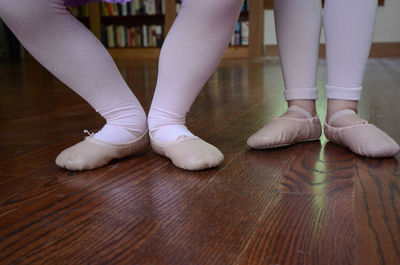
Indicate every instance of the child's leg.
{"type": "Point", "coordinates": [298, 28]}
{"type": "Point", "coordinates": [73, 54]}
{"type": "Point", "coordinates": [349, 28]}
{"type": "Point", "coordinates": [190, 54]}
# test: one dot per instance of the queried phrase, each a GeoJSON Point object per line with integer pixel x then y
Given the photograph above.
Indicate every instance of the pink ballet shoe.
{"type": "Point", "coordinates": [283, 131]}
{"type": "Point", "coordinates": [364, 139]}
{"type": "Point", "coordinates": [189, 153]}
{"type": "Point", "coordinates": [92, 153]}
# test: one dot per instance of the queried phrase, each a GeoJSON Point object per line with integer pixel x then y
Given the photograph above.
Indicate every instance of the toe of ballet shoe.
{"type": "Point", "coordinates": [381, 145]}
{"type": "Point", "coordinates": [199, 160]}
{"type": "Point", "coordinates": [285, 131]}
{"type": "Point", "coordinates": [364, 140]}
{"type": "Point", "coordinates": [67, 160]}
{"type": "Point", "coordinates": [190, 153]}
{"type": "Point", "coordinates": [387, 149]}
{"type": "Point", "coordinates": [92, 153]}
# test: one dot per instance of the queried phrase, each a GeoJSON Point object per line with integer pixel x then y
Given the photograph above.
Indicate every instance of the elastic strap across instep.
{"type": "Point", "coordinates": [300, 110]}
{"type": "Point", "coordinates": [340, 113]}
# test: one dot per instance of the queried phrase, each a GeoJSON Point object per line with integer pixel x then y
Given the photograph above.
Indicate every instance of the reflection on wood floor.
{"type": "Point", "coordinates": [312, 203]}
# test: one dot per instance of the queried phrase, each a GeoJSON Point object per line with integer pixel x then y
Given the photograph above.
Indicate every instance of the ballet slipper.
{"type": "Point", "coordinates": [190, 153]}
{"type": "Point", "coordinates": [364, 139]}
{"type": "Point", "coordinates": [283, 131]}
{"type": "Point", "coordinates": [92, 153]}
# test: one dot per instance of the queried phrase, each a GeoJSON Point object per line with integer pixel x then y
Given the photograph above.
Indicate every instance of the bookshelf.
{"type": "Point", "coordinates": [94, 20]}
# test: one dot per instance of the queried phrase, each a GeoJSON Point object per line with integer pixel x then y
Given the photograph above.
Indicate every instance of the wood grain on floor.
{"type": "Point", "coordinates": [312, 203]}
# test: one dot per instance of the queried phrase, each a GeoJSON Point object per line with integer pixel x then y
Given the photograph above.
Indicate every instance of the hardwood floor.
{"type": "Point", "coordinates": [312, 203]}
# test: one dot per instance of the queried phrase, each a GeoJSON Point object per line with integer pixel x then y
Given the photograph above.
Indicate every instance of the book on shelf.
{"type": "Point", "coordinates": [145, 36]}
{"type": "Point", "coordinates": [137, 37]}
{"type": "Point", "coordinates": [159, 36]}
{"type": "Point", "coordinates": [134, 7]}
{"type": "Point", "coordinates": [245, 6]}
{"type": "Point", "coordinates": [150, 7]}
{"type": "Point", "coordinates": [162, 8]}
{"type": "Point", "coordinates": [112, 9]}
{"type": "Point", "coordinates": [124, 10]}
{"type": "Point", "coordinates": [110, 36]}
{"type": "Point", "coordinates": [241, 34]}
{"type": "Point", "coordinates": [121, 36]}
{"type": "Point", "coordinates": [178, 5]}
{"type": "Point", "coordinates": [132, 37]}
{"type": "Point", "coordinates": [244, 32]}
{"type": "Point", "coordinates": [236, 35]}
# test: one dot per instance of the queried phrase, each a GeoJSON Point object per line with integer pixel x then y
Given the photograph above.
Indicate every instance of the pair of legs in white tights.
{"type": "Point", "coordinates": [73, 54]}
{"type": "Point", "coordinates": [190, 54]}
{"type": "Point", "coordinates": [349, 28]}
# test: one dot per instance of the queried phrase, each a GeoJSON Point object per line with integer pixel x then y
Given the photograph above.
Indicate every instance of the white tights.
{"type": "Point", "coordinates": [190, 54]}
{"type": "Point", "coordinates": [73, 54]}
{"type": "Point", "coordinates": [349, 26]}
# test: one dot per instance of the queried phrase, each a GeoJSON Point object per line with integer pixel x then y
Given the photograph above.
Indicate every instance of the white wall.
{"type": "Point", "coordinates": [387, 27]}
{"type": "Point", "coordinates": [387, 24]}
